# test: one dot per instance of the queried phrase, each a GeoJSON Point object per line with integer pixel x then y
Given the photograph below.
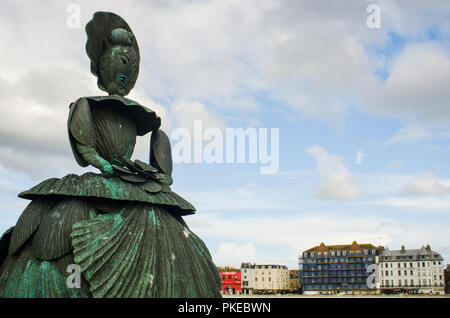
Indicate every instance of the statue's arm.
{"type": "Point", "coordinates": [90, 155]}
{"type": "Point", "coordinates": [83, 139]}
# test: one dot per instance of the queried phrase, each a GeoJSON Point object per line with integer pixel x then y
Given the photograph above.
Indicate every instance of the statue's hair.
{"type": "Point", "coordinates": [105, 30]}
{"type": "Point", "coordinates": [121, 36]}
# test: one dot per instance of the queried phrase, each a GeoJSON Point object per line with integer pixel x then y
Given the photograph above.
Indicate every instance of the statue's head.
{"type": "Point", "coordinates": [114, 53]}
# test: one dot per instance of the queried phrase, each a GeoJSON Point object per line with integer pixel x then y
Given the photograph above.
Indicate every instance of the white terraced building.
{"type": "Point", "coordinates": [413, 271]}
{"type": "Point", "coordinates": [264, 278]}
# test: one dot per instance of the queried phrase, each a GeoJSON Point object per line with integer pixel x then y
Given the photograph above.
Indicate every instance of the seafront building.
{"type": "Point", "coordinates": [447, 279]}
{"type": "Point", "coordinates": [352, 269]}
{"type": "Point", "coordinates": [418, 271]}
{"type": "Point", "coordinates": [294, 281]}
{"type": "Point", "coordinates": [329, 269]}
{"type": "Point", "coordinates": [247, 278]}
{"type": "Point", "coordinates": [266, 278]}
{"type": "Point", "coordinates": [231, 280]}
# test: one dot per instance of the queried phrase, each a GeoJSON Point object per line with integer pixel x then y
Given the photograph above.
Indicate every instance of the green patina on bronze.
{"type": "Point", "coordinates": [123, 227]}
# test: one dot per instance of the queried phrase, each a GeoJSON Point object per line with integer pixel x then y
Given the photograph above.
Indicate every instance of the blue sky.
{"type": "Point", "coordinates": [314, 70]}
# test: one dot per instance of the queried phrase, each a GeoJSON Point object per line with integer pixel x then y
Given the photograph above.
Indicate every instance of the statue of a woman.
{"type": "Point", "coordinates": [122, 228]}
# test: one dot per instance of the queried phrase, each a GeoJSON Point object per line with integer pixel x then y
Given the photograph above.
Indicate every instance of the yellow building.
{"type": "Point", "coordinates": [270, 278]}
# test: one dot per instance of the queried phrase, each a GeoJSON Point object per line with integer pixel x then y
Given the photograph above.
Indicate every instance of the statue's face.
{"type": "Point", "coordinates": [117, 67]}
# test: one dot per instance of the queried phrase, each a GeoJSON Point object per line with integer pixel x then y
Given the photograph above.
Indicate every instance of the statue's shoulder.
{"type": "Point", "coordinates": [145, 119]}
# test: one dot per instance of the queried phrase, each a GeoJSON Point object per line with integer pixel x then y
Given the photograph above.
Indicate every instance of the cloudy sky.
{"type": "Point", "coordinates": [363, 114]}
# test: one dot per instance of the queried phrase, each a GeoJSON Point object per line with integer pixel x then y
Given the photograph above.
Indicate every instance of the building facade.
{"type": "Point", "coordinates": [247, 278]}
{"type": "Point", "coordinates": [294, 281]}
{"type": "Point", "coordinates": [327, 269]}
{"type": "Point", "coordinates": [231, 280]}
{"type": "Point", "coordinates": [413, 271]}
{"type": "Point", "coordinates": [447, 279]}
{"type": "Point", "coordinates": [258, 279]}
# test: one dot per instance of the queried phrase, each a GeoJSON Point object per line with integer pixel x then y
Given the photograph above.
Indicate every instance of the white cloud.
{"type": "Point", "coordinates": [310, 57]}
{"type": "Point", "coordinates": [409, 135]}
{"type": "Point", "coordinates": [413, 204]}
{"type": "Point", "coordinates": [245, 197]}
{"type": "Point", "coordinates": [417, 88]}
{"type": "Point", "coordinates": [231, 254]}
{"type": "Point", "coordinates": [185, 113]}
{"type": "Point", "coordinates": [336, 182]}
{"type": "Point", "coordinates": [359, 157]}
{"type": "Point", "coordinates": [425, 184]}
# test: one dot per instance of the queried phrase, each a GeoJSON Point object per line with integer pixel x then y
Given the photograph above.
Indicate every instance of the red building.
{"type": "Point", "coordinates": [231, 280]}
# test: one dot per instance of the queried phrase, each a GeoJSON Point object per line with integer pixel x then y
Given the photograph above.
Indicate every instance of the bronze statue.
{"type": "Point", "coordinates": [123, 227]}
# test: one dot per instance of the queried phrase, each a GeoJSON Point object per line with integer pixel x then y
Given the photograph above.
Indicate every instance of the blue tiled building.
{"type": "Point", "coordinates": [335, 268]}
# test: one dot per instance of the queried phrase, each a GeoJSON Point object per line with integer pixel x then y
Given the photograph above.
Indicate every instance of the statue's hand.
{"type": "Point", "coordinates": [105, 166]}
{"type": "Point", "coordinates": [132, 169]}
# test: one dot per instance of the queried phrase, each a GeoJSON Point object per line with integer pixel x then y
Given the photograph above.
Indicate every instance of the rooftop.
{"type": "Point", "coordinates": [423, 251]}
{"type": "Point", "coordinates": [349, 247]}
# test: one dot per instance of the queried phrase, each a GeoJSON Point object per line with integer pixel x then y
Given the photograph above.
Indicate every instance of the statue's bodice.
{"type": "Point", "coordinates": [115, 132]}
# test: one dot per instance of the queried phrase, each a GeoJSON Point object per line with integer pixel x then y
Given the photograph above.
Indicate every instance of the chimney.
{"type": "Point", "coordinates": [403, 249]}
{"type": "Point", "coordinates": [428, 248]}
